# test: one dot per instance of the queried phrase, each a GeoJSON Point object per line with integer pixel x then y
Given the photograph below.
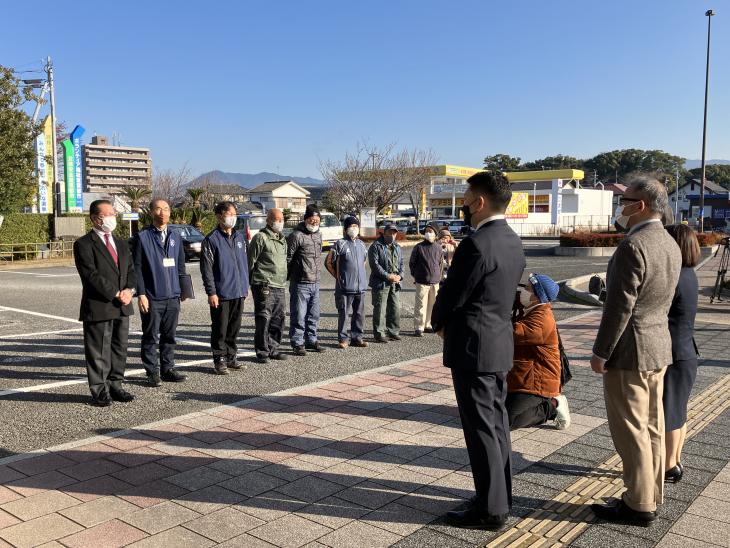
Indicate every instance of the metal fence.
{"type": "Point", "coordinates": [568, 223]}
{"type": "Point", "coordinates": [36, 250]}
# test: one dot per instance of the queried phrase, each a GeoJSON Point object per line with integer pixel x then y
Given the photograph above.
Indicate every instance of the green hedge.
{"type": "Point", "coordinates": [594, 239]}
{"type": "Point", "coordinates": [25, 228]}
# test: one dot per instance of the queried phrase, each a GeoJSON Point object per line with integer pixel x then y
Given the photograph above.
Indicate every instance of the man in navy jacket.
{"type": "Point", "coordinates": [224, 266]}
{"type": "Point", "coordinates": [472, 313]}
{"type": "Point", "coordinates": [159, 261]}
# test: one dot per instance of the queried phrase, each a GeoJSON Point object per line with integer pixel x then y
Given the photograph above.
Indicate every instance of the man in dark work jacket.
{"type": "Point", "coordinates": [472, 313]}
{"type": "Point", "coordinates": [107, 276]}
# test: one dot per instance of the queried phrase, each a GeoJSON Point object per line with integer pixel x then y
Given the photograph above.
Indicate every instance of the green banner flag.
{"type": "Point", "coordinates": [69, 174]}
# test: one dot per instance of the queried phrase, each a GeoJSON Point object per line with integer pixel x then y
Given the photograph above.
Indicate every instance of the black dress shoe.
{"type": "Point", "coordinates": [121, 395]}
{"type": "Point", "coordinates": [418, 333]}
{"type": "Point", "coordinates": [674, 474]}
{"type": "Point", "coordinates": [102, 401]}
{"type": "Point", "coordinates": [154, 380]}
{"type": "Point", "coordinates": [278, 356]}
{"type": "Point", "coordinates": [314, 347]}
{"type": "Point", "coordinates": [619, 512]}
{"type": "Point", "coordinates": [262, 359]}
{"type": "Point", "coordinates": [381, 340]}
{"type": "Point", "coordinates": [173, 376]}
{"type": "Point", "coordinates": [473, 518]}
{"type": "Point", "coordinates": [393, 337]}
{"type": "Point", "coordinates": [299, 351]}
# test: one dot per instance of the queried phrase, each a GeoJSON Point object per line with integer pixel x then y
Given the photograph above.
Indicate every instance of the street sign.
{"type": "Point", "coordinates": [133, 216]}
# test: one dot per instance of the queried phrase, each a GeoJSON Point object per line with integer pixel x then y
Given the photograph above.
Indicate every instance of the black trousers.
{"type": "Point", "coordinates": [525, 410]}
{"type": "Point", "coordinates": [225, 325]}
{"type": "Point", "coordinates": [159, 326]}
{"type": "Point", "coordinates": [105, 347]}
{"type": "Point", "coordinates": [481, 401]}
{"type": "Point", "coordinates": [269, 313]}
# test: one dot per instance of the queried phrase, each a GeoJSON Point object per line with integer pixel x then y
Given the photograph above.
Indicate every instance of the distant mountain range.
{"type": "Point", "coordinates": [692, 164]}
{"type": "Point", "coordinates": [250, 180]}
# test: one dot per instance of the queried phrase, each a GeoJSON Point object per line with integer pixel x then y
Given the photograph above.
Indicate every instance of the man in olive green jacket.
{"type": "Point", "coordinates": [267, 272]}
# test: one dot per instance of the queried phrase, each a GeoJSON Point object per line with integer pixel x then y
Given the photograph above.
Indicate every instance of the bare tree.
{"type": "Point", "coordinates": [375, 177]}
{"type": "Point", "coordinates": [170, 184]}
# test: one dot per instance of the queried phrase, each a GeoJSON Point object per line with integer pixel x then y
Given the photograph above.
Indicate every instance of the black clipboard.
{"type": "Point", "coordinates": [186, 287]}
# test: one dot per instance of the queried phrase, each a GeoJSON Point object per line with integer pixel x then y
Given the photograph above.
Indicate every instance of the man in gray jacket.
{"type": "Point", "coordinates": [304, 254]}
{"type": "Point", "coordinates": [633, 348]}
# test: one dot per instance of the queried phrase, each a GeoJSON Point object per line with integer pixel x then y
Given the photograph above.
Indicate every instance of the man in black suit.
{"type": "Point", "coordinates": [107, 275]}
{"type": "Point", "coordinates": [472, 313]}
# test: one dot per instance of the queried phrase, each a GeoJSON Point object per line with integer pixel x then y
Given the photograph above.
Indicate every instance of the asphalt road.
{"type": "Point", "coordinates": [41, 344]}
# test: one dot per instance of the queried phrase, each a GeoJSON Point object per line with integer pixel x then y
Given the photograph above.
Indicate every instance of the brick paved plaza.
{"type": "Point", "coordinates": [369, 459]}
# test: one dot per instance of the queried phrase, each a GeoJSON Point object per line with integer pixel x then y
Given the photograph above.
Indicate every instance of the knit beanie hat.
{"type": "Point", "coordinates": [349, 221]}
{"type": "Point", "coordinates": [311, 211]}
{"type": "Point", "coordinates": [433, 227]}
{"type": "Point", "coordinates": [545, 288]}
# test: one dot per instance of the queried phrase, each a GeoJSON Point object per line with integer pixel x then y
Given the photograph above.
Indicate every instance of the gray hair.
{"type": "Point", "coordinates": [652, 192]}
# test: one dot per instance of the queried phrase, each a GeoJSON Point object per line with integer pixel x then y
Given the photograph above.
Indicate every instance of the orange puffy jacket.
{"type": "Point", "coordinates": [536, 366]}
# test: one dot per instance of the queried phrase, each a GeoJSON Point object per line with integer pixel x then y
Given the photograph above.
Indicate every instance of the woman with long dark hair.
{"type": "Point", "coordinates": [680, 376]}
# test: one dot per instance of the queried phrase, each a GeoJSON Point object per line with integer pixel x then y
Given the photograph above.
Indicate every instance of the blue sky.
{"type": "Point", "coordinates": [277, 86]}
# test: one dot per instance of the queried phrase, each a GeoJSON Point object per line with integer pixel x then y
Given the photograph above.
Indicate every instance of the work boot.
{"type": "Point", "coordinates": [220, 366]}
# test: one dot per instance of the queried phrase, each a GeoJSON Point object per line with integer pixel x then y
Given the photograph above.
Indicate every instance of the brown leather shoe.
{"type": "Point", "coordinates": [343, 344]}
{"type": "Point", "coordinates": [359, 343]}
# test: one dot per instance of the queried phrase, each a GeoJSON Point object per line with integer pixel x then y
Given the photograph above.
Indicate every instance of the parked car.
{"type": "Point", "coordinates": [456, 227]}
{"type": "Point", "coordinates": [250, 224]}
{"type": "Point", "coordinates": [192, 240]}
{"type": "Point", "coordinates": [331, 228]}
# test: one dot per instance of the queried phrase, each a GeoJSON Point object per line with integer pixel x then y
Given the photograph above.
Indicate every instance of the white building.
{"type": "Point", "coordinates": [558, 202]}
{"type": "Point", "coordinates": [281, 194]}
{"type": "Point", "coordinates": [680, 200]}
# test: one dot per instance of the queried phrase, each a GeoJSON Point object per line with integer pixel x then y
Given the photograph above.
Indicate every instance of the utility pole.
{"type": "Point", "coordinates": [56, 189]}
{"type": "Point", "coordinates": [676, 197]}
{"type": "Point", "coordinates": [709, 14]}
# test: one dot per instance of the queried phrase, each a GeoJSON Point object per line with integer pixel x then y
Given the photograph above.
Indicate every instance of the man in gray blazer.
{"type": "Point", "coordinates": [633, 348]}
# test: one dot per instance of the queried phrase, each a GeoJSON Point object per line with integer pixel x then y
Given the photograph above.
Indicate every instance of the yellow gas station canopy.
{"type": "Point", "coordinates": [512, 176]}
{"type": "Point", "coordinates": [544, 175]}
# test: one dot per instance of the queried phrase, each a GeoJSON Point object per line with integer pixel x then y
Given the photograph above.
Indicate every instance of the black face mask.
{"type": "Point", "coordinates": [467, 214]}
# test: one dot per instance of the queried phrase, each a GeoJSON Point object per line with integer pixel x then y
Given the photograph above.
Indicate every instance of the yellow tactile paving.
{"type": "Point", "coordinates": [559, 521]}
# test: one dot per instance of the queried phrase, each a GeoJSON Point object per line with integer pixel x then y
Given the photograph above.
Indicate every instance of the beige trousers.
{"type": "Point", "coordinates": [425, 297]}
{"type": "Point", "coordinates": [636, 419]}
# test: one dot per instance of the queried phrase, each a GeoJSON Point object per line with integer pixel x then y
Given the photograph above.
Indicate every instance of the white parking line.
{"type": "Point", "coordinates": [82, 380]}
{"type": "Point", "coordinates": [38, 274]}
{"type": "Point", "coordinates": [39, 314]}
{"type": "Point", "coordinates": [58, 331]}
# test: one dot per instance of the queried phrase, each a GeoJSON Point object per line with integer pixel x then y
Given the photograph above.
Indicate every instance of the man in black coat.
{"type": "Point", "coordinates": [107, 275]}
{"type": "Point", "coordinates": [472, 313]}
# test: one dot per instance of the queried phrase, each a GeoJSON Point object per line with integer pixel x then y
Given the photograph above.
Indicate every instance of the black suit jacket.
{"type": "Point", "coordinates": [474, 306]}
{"type": "Point", "coordinates": [682, 316]}
{"type": "Point", "coordinates": [102, 279]}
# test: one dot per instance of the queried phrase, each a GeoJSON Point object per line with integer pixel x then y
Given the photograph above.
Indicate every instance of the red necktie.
{"type": "Point", "coordinates": [110, 247]}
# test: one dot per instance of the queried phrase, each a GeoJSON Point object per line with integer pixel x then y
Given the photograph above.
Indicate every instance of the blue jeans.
{"type": "Point", "coordinates": [303, 313]}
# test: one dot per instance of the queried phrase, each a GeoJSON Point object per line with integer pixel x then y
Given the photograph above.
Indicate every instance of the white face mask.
{"type": "Point", "coordinates": [277, 226]}
{"type": "Point", "coordinates": [109, 224]}
{"type": "Point", "coordinates": [430, 236]}
{"type": "Point", "coordinates": [229, 222]}
{"type": "Point", "coordinates": [525, 297]}
{"type": "Point", "coordinates": [353, 231]}
{"type": "Point", "coordinates": [312, 228]}
{"type": "Point", "coordinates": [620, 219]}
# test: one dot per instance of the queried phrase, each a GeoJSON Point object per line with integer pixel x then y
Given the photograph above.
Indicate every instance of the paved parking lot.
{"type": "Point", "coordinates": [42, 377]}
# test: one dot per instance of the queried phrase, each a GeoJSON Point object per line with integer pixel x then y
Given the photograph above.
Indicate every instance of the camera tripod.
{"type": "Point", "coordinates": [721, 270]}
